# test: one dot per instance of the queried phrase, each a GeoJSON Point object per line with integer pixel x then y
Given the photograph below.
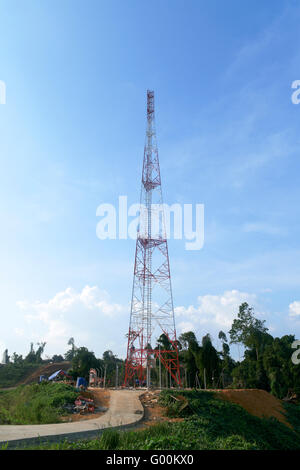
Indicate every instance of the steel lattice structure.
{"type": "Point", "coordinates": [152, 310]}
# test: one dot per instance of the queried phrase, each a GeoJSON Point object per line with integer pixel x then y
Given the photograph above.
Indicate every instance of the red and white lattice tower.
{"type": "Point", "coordinates": [152, 310]}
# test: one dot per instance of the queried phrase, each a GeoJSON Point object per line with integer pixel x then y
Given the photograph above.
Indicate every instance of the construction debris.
{"type": "Point", "coordinates": [84, 405]}
{"type": "Point", "coordinates": [291, 397]}
{"type": "Point", "coordinates": [183, 400]}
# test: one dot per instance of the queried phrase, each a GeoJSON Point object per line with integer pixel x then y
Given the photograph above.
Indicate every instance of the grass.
{"type": "Point", "coordinates": [293, 415]}
{"type": "Point", "coordinates": [12, 374]}
{"type": "Point", "coordinates": [35, 403]}
{"type": "Point", "coordinates": [209, 424]}
{"type": "Point", "coordinates": [221, 421]}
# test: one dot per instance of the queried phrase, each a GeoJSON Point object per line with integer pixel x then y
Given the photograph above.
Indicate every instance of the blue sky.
{"type": "Point", "coordinates": [72, 135]}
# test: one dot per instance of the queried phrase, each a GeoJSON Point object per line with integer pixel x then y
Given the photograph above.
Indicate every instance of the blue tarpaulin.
{"type": "Point", "coordinates": [56, 374]}
{"type": "Point", "coordinates": [81, 381]}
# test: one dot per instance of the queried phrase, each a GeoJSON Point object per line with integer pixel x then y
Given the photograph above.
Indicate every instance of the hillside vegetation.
{"type": "Point", "coordinates": [12, 374]}
{"type": "Point", "coordinates": [35, 403]}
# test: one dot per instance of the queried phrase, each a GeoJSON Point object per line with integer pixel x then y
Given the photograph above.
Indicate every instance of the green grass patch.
{"type": "Point", "coordinates": [35, 403]}
{"type": "Point", "coordinates": [293, 415]}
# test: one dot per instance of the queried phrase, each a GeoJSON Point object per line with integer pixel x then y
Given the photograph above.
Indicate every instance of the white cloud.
{"type": "Point", "coordinates": [294, 308]}
{"type": "Point", "coordinates": [70, 314]}
{"type": "Point", "coordinates": [185, 326]}
{"type": "Point", "coordinates": [213, 312]}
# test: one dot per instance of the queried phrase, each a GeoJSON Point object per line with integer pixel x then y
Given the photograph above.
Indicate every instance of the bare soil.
{"type": "Point", "coordinates": [153, 412]}
{"type": "Point", "coordinates": [257, 402]}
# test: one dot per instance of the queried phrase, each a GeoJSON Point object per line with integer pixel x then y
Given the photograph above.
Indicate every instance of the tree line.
{"type": "Point", "coordinates": [267, 361]}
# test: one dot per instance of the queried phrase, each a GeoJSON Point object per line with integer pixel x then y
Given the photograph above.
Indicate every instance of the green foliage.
{"type": "Point", "coordinates": [83, 361]}
{"type": "Point", "coordinates": [248, 330]}
{"type": "Point", "coordinates": [17, 358]}
{"type": "Point", "coordinates": [220, 419]}
{"type": "Point", "coordinates": [11, 374]}
{"type": "Point", "coordinates": [266, 365]}
{"type": "Point", "coordinates": [187, 357]}
{"type": "Point", "coordinates": [282, 373]}
{"type": "Point", "coordinates": [71, 352]}
{"type": "Point", "coordinates": [35, 356]}
{"type": "Point", "coordinates": [208, 361]}
{"type": "Point", "coordinates": [293, 415]}
{"type": "Point", "coordinates": [110, 439]}
{"type": "Point", "coordinates": [188, 340]}
{"type": "Point", "coordinates": [274, 371]}
{"type": "Point", "coordinates": [57, 358]}
{"type": "Point", "coordinates": [202, 359]}
{"type": "Point", "coordinates": [35, 403]}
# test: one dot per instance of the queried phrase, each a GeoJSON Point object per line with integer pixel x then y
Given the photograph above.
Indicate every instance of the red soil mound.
{"type": "Point", "coordinates": [257, 402]}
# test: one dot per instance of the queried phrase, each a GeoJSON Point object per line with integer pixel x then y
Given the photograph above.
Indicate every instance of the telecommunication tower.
{"type": "Point", "coordinates": [152, 310]}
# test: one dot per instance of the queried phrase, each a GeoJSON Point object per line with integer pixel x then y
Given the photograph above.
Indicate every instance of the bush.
{"type": "Point", "coordinates": [12, 374]}
{"type": "Point", "coordinates": [35, 403]}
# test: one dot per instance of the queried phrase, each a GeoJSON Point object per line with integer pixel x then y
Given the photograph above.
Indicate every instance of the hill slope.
{"type": "Point", "coordinates": [47, 370]}
{"type": "Point", "coordinates": [12, 375]}
{"type": "Point", "coordinates": [257, 402]}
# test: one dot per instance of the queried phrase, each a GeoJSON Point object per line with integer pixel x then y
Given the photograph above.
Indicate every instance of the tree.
{"type": "Point", "coordinates": [71, 352]}
{"type": "Point", "coordinates": [282, 373]}
{"type": "Point", "coordinates": [71, 342]}
{"type": "Point", "coordinates": [248, 330]}
{"type": "Point", "coordinates": [109, 363]}
{"type": "Point", "coordinates": [40, 350]}
{"type": "Point", "coordinates": [227, 363]}
{"type": "Point", "coordinates": [225, 347]}
{"type": "Point", "coordinates": [207, 361]}
{"type": "Point", "coordinates": [17, 358]}
{"type": "Point", "coordinates": [188, 340]}
{"type": "Point", "coordinates": [57, 358]}
{"type": "Point", "coordinates": [108, 356]}
{"type": "Point", "coordinates": [34, 357]}
{"type": "Point", "coordinates": [83, 361]}
{"type": "Point", "coordinates": [164, 342]}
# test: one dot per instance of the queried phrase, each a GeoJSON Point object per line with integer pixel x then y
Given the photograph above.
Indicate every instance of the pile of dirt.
{"type": "Point", "coordinates": [257, 402]}
{"type": "Point", "coordinates": [47, 370]}
{"type": "Point", "coordinates": [153, 412]}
